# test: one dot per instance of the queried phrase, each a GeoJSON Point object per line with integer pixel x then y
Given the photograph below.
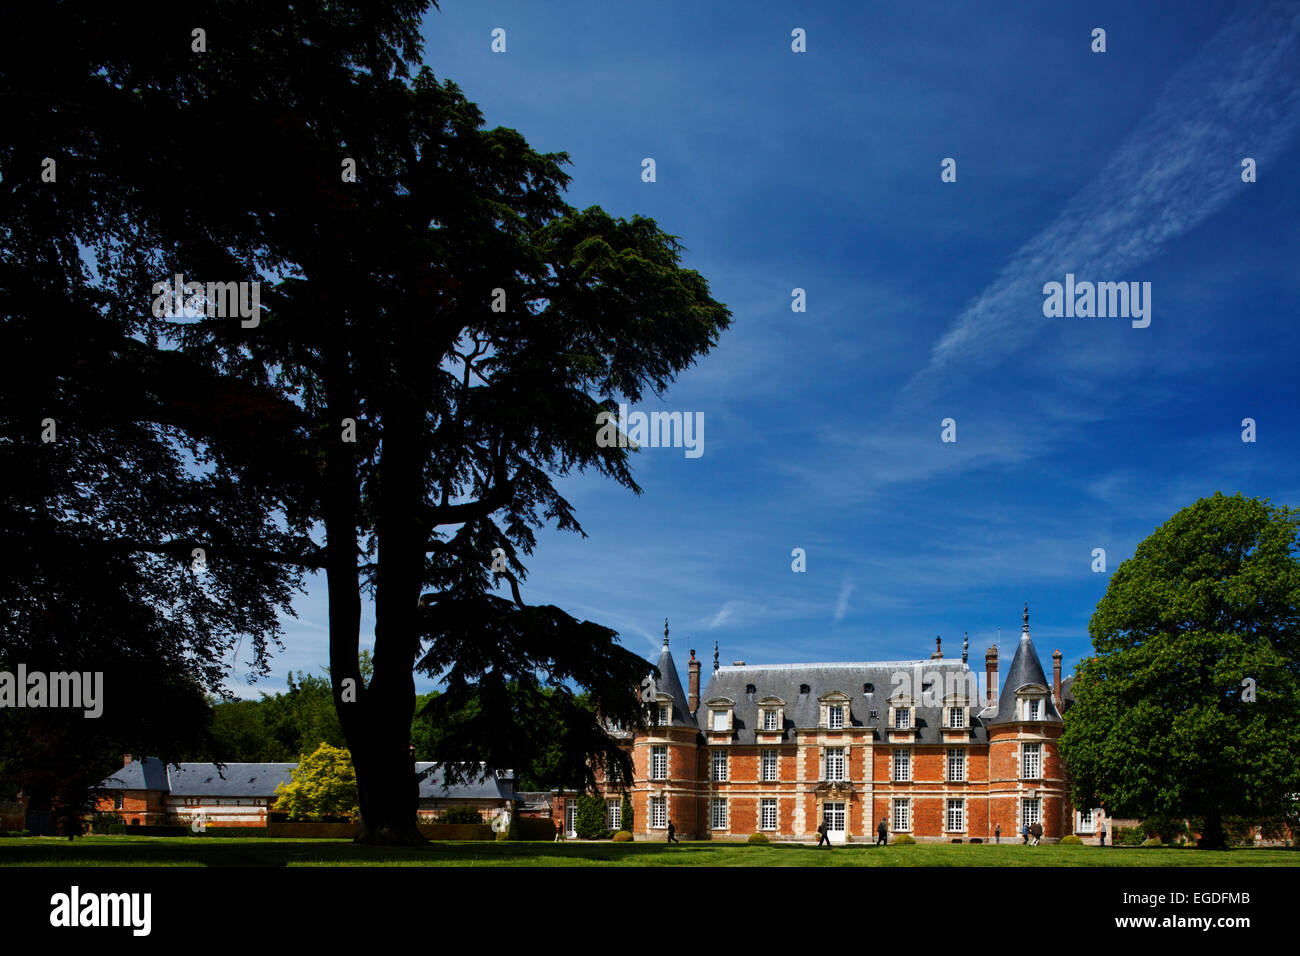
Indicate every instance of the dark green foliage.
{"type": "Point", "coordinates": [1128, 836]}
{"type": "Point", "coordinates": [1162, 726]}
{"type": "Point", "coordinates": [460, 815]}
{"type": "Point", "coordinates": [625, 813]}
{"type": "Point", "coordinates": [589, 819]}
{"type": "Point", "coordinates": [534, 828]}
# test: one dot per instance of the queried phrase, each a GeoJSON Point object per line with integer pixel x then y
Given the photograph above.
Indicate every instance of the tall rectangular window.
{"type": "Point", "coordinates": [1030, 811]}
{"type": "Point", "coordinates": [835, 717]}
{"type": "Point", "coordinates": [658, 812]}
{"type": "Point", "coordinates": [1034, 707]}
{"type": "Point", "coordinates": [902, 814]}
{"type": "Point", "coordinates": [718, 813]}
{"type": "Point", "coordinates": [719, 765]}
{"type": "Point", "coordinates": [719, 720]}
{"type": "Point", "coordinates": [769, 765]}
{"type": "Point", "coordinates": [613, 814]}
{"type": "Point", "coordinates": [658, 763]}
{"type": "Point", "coordinates": [769, 720]}
{"type": "Point", "coordinates": [663, 715]}
{"type": "Point", "coordinates": [956, 815]}
{"type": "Point", "coordinates": [903, 718]}
{"type": "Point", "coordinates": [834, 763]}
{"type": "Point", "coordinates": [1031, 761]}
{"type": "Point", "coordinates": [957, 717]}
{"type": "Point", "coordinates": [1087, 821]}
{"type": "Point", "coordinates": [769, 814]}
{"type": "Point", "coordinates": [956, 764]}
{"type": "Point", "coordinates": [902, 765]}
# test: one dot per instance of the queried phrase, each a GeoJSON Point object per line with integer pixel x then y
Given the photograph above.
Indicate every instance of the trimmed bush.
{"type": "Point", "coordinates": [1071, 840]}
{"type": "Point", "coordinates": [460, 815]}
{"type": "Point", "coordinates": [622, 836]}
{"type": "Point", "coordinates": [758, 838]}
{"type": "Point", "coordinates": [903, 839]}
{"type": "Point", "coordinates": [625, 812]}
{"type": "Point", "coordinates": [1128, 836]}
{"type": "Point", "coordinates": [1152, 841]}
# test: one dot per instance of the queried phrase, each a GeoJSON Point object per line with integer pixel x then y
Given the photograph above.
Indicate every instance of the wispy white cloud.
{"type": "Point", "coordinates": [842, 604]}
{"type": "Point", "coordinates": [1239, 97]}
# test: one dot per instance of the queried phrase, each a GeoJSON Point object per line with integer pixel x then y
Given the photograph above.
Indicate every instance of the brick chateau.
{"type": "Point", "coordinates": [777, 749]}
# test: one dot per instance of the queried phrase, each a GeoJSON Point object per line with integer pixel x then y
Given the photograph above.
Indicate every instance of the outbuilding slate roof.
{"type": "Point", "coordinates": [802, 710]}
{"type": "Point", "coordinates": [434, 786]}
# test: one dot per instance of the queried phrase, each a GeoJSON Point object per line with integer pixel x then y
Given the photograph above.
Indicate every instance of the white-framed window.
{"type": "Point", "coordinates": [902, 718]}
{"type": "Point", "coordinates": [1030, 811]}
{"type": "Point", "coordinates": [613, 814]}
{"type": "Point", "coordinates": [768, 815]}
{"type": "Point", "coordinates": [1033, 709]}
{"type": "Point", "coordinates": [956, 764]}
{"type": "Point", "coordinates": [658, 812]}
{"type": "Point", "coordinates": [611, 772]}
{"type": "Point", "coordinates": [1087, 821]}
{"type": "Point", "coordinates": [658, 763]}
{"type": "Point", "coordinates": [835, 717]}
{"type": "Point", "coordinates": [957, 717]}
{"type": "Point", "coordinates": [834, 763]}
{"type": "Point", "coordinates": [956, 820]}
{"type": "Point", "coordinates": [902, 765]}
{"type": "Point", "coordinates": [571, 817]}
{"type": "Point", "coordinates": [663, 715]}
{"type": "Point", "coordinates": [719, 765]}
{"type": "Point", "coordinates": [770, 718]}
{"type": "Point", "coordinates": [719, 720]}
{"type": "Point", "coordinates": [1031, 761]}
{"type": "Point", "coordinates": [718, 813]}
{"type": "Point", "coordinates": [902, 814]}
{"type": "Point", "coordinates": [769, 765]}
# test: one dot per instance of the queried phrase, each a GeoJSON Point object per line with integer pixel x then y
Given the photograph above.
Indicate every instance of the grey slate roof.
{"type": "Point", "coordinates": [433, 785]}
{"type": "Point", "coordinates": [669, 683]}
{"type": "Point", "coordinates": [1067, 694]}
{"type": "Point", "coordinates": [1025, 669]}
{"type": "Point", "coordinates": [803, 711]}
{"type": "Point", "coordinates": [147, 774]}
{"type": "Point", "coordinates": [232, 780]}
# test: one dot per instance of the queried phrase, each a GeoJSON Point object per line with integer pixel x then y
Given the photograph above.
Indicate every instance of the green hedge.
{"type": "Point", "coordinates": [460, 815]}
{"type": "Point", "coordinates": [903, 840]}
{"type": "Point", "coordinates": [457, 831]}
{"type": "Point", "coordinates": [1071, 840]}
{"type": "Point", "coordinates": [623, 836]}
{"type": "Point", "coordinates": [535, 828]}
{"type": "Point", "coordinates": [589, 821]}
{"type": "Point", "coordinates": [758, 838]}
{"type": "Point", "coordinates": [1128, 836]}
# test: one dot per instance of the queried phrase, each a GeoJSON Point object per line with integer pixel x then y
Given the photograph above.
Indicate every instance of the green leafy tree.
{"type": "Point", "coordinates": [460, 815]}
{"type": "Point", "coordinates": [625, 813]}
{"type": "Point", "coordinates": [324, 784]}
{"type": "Point", "coordinates": [589, 818]}
{"type": "Point", "coordinates": [1191, 707]}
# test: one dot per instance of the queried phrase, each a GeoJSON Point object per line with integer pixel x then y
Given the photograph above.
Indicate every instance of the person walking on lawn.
{"type": "Point", "coordinates": [672, 833]}
{"type": "Point", "coordinates": [882, 834]}
{"type": "Point", "coordinates": [821, 835]}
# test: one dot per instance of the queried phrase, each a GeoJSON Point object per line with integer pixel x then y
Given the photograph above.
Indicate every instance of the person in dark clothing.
{"type": "Point", "coordinates": [1024, 834]}
{"type": "Point", "coordinates": [882, 834]}
{"type": "Point", "coordinates": [822, 837]}
{"type": "Point", "coordinates": [1101, 834]}
{"type": "Point", "coordinates": [672, 833]}
{"type": "Point", "coordinates": [1037, 831]}
{"type": "Point", "coordinates": [997, 833]}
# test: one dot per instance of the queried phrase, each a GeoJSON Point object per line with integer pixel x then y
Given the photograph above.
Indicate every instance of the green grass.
{"type": "Point", "coordinates": [213, 851]}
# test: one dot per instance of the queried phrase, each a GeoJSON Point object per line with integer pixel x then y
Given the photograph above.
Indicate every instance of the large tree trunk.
{"type": "Point", "coordinates": [1213, 836]}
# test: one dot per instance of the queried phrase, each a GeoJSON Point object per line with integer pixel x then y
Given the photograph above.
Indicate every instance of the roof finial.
{"type": "Point", "coordinates": [965, 645]}
{"type": "Point", "coordinates": [1025, 627]}
{"type": "Point", "coordinates": [665, 632]}
{"type": "Point", "coordinates": [938, 650]}
{"type": "Point", "coordinates": [715, 657]}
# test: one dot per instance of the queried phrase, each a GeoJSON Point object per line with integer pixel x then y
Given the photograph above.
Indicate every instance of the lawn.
{"type": "Point", "coordinates": [216, 851]}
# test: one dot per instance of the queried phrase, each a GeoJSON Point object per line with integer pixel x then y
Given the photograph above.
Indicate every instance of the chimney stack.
{"type": "Point", "coordinates": [693, 683]}
{"type": "Point", "coordinates": [126, 760]}
{"type": "Point", "coordinates": [938, 650]}
{"type": "Point", "coordinates": [991, 676]}
{"type": "Point", "coordinates": [1056, 679]}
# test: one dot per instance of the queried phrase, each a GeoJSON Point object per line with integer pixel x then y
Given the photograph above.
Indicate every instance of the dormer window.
{"type": "Point", "coordinates": [663, 715]}
{"type": "Point", "coordinates": [771, 714]}
{"type": "Point", "coordinates": [956, 717]}
{"type": "Point", "coordinates": [720, 721]}
{"type": "Point", "coordinates": [835, 717]}
{"type": "Point", "coordinates": [1033, 709]}
{"type": "Point", "coordinates": [902, 718]}
{"type": "Point", "coordinates": [770, 719]}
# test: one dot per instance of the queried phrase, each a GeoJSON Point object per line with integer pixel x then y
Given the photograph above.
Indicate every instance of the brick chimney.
{"type": "Point", "coordinates": [1056, 679]}
{"type": "Point", "coordinates": [938, 650]}
{"type": "Point", "coordinates": [693, 683]}
{"type": "Point", "coordinates": [991, 675]}
{"type": "Point", "coordinates": [126, 760]}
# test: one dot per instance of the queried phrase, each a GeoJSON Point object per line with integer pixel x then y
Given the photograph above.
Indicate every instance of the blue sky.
{"type": "Point", "coordinates": [821, 170]}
